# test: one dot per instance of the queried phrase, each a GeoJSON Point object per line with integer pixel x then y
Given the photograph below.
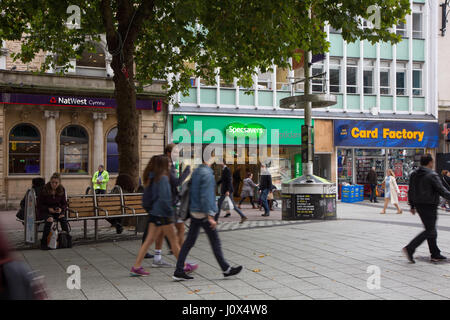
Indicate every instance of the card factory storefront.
{"type": "Point", "coordinates": [254, 140]}
{"type": "Point", "coordinates": [71, 135]}
{"type": "Point", "coordinates": [396, 145]}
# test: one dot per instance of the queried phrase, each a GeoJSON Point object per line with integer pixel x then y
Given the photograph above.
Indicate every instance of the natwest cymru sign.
{"type": "Point", "coordinates": [388, 134]}
{"type": "Point", "coordinates": [68, 101]}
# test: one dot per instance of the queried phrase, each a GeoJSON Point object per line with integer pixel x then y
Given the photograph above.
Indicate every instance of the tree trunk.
{"type": "Point", "coordinates": [127, 118]}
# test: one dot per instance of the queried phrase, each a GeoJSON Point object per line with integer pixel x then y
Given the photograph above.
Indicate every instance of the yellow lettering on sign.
{"type": "Point", "coordinates": [355, 132]}
{"type": "Point", "coordinates": [410, 135]}
{"type": "Point", "coordinates": [385, 133]}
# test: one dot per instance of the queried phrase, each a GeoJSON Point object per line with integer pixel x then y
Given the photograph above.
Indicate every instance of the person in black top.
{"type": "Point", "coordinates": [372, 180]}
{"type": "Point", "coordinates": [425, 186]}
{"type": "Point", "coordinates": [226, 189]}
{"type": "Point", "coordinates": [446, 183]}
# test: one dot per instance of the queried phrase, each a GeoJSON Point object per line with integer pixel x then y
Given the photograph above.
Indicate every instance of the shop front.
{"type": "Point", "coordinates": [396, 145]}
{"type": "Point", "coordinates": [246, 143]}
{"type": "Point", "coordinates": [70, 134]}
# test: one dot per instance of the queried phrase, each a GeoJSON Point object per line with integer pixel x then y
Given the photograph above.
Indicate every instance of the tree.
{"type": "Point", "coordinates": [180, 39]}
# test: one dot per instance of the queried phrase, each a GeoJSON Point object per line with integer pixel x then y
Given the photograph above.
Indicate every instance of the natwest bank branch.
{"type": "Point", "coordinates": [396, 145]}
{"type": "Point", "coordinates": [72, 134]}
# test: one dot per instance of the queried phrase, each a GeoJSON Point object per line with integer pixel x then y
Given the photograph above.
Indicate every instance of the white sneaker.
{"type": "Point", "coordinates": [161, 264]}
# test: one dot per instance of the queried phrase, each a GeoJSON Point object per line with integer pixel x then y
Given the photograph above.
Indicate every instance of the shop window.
{"type": "Point", "coordinates": [264, 81]}
{"type": "Point", "coordinates": [24, 150]}
{"type": "Point", "coordinates": [417, 80]}
{"type": "Point", "coordinates": [368, 76]}
{"type": "Point", "coordinates": [403, 162]}
{"type": "Point", "coordinates": [352, 76]}
{"type": "Point", "coordinates": [385, 75]}
{"type": "Point", "coordinates": [74, 150]}
{"type": "Point", "coordinates": [92, 61]}
{"type": "Point", "coordinates": [345, 165]}
{"type": "Point", "coordinates": [112, 152]}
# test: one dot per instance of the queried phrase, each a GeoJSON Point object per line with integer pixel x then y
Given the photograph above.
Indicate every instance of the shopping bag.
{"type": "Point", "coordinates": [227, 204]}
{"type": "Point", "coordinates": [270, 196]}
{"type": "Point", "coordinates": [52, 239]}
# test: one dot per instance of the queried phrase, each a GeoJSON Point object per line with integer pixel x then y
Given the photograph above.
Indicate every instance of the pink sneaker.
{"type": "Point", "coordinates": [138, 272]}
{"type": "Point", "coordinates": [190, 267]}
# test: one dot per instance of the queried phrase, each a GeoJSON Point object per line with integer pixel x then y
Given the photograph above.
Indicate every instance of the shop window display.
{"type": "Point", "coordinates": [403, 162]}
{"type": "Point", "coordinates": [366, 159]}
{"type": "Point", "coordinates": [345, 165]}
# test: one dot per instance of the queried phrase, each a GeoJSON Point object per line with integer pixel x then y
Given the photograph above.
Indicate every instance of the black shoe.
{"type": "Point", "coordinates": [119, 228]}
{"type": "Point", "coordinates": [438, 258]}
{"type": "Point", "coordinates": [408, 255]}
{"type": "Point", "coordinates": [181, 276]}
{"type": "Point", "coordinates": [148, 256]}
{"type": "Point", "coordinates": [232, 271]}
{"type": "Point", "coordinates": [265, 215]}
{"type": "Point", "coordinates": [376, 201]}
{"type": "Point", "coordinates": [227, 215]}
{"type": "Point", "coordinates": [44, 246]}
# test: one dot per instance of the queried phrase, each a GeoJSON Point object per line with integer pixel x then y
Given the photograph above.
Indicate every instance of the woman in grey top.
{"type": "Point", "coordinates": [248, 190]}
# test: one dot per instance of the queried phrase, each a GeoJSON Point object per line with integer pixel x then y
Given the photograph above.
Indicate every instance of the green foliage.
{"type": "Point", "coordinates": [233, 36]}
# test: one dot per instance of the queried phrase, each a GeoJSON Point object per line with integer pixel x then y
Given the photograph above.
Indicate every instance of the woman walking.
{"type": "Point", "coordinates": [157, 200]}
{"type": "Point", "coordinates": [391, 191]}
{"type": "Point", "coordinates": [446, 183]}
{"type": "Point", "coordinates": [247, 190]}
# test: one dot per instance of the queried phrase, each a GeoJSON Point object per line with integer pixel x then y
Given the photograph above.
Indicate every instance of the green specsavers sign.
{"type": "Point", "coordinates": [260, 129]}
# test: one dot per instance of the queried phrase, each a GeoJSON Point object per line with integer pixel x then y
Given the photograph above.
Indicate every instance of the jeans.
{"type": "Point", "coordinates": [373, 192]}
{"type": "Point", "coordinates": [219, 204]}
{"type": "Point", "coordinates": [214, 241]}
{"type": "Point", "coordinates": [48, 225]}
{"type": "Point", "coordinates": [428, 215]}
{"type": "Point", "coordinates": [264, 202]}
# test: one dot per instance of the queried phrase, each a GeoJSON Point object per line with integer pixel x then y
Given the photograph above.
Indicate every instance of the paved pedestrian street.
{"type": "Point", "coordinates": [302, 260]}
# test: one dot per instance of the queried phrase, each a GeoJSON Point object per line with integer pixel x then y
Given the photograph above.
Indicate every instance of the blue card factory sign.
{"type": "Point", "coordinates": [388, 134]}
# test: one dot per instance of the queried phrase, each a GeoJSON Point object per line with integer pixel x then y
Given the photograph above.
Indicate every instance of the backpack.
{"type": "Point", "coordinates": [64, 239]}
{"type": "Point", "coordinates": [148, 198]}
{"type": "Point", "coordinates": [183, 208]}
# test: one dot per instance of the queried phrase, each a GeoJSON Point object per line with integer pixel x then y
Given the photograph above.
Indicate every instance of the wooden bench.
{"type": "Point", "coordinates": [101, 206]}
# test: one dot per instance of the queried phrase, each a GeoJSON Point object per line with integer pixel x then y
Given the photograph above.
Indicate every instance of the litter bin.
{"type": "Point", "coordinates": [308, 197]}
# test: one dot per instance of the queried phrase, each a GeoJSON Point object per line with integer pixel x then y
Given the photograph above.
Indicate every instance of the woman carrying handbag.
{"type": "Point", "coordinates": [391, 191]}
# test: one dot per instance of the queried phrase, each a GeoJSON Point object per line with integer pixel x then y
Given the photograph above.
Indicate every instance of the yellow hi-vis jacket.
{"type": "Point", "coordinates": [104, 177]}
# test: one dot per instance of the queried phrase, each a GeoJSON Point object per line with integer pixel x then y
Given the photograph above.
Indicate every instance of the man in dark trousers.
{"type": "Point", "coordinates": [425, 186]}
{"type": "Point", "coordinates": [372, 180]}
{"type": "Point", "coordinates": [226, 189]}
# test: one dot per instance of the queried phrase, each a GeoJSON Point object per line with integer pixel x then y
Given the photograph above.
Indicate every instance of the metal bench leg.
{"type": "Point", "coordinates": [36, 234]}
{"type": "Point", "coordinates": [85, 229]}
{"type": "Point", "coordinates": [136, 225]}
{"type": "Point", "coordinates": [96, 229]}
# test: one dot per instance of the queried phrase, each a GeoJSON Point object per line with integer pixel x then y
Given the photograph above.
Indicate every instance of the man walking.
{"type": "Point", "coordinates": [423, 196]}
{"type": "Point", "coordinates": [226, 189]}
{"type": "Point", "coordinates": [372, 180]}
{"type": "Point", "coordinates": [202, 210]}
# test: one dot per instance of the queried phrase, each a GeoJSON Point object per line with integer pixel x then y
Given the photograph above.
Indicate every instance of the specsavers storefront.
{"type": "Point", "coordinates": [251, 141]}
{"type": "Point", "coordinates": [395, 145]}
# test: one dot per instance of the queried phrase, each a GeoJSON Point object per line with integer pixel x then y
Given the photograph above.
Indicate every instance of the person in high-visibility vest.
{"type": "Point", "coordinates": [100, 180]}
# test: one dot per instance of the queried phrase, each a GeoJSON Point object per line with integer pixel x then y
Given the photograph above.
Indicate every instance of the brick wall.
{"type": "Point", "coordinates": [34, 65]}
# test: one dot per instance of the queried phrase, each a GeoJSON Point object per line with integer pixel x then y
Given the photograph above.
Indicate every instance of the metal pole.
{"type": "Point", "coordinates": [308, 168]}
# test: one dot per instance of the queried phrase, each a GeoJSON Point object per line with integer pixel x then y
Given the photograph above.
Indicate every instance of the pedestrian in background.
{"type": "Point", "coordinates": [266, 186]}
{"type": "Point", "coordinates": [391, 191]}
{"type": "Point", "coordinates": [446, 183]}
{"type": "Point", "coordinates": [372, 180]}
{"type": "Point", "coordinates": [202, 211]}
{"type": "Point", "coordinates": [236, 181]}
{"type": "Point", "coordinates": [425, 186]}
{"type": "Point", "coordinates": [248, 190]}
{"type": "Point", "coordinates": [226, 190]}
{"type": "Point", "coordinates": [100, 180]}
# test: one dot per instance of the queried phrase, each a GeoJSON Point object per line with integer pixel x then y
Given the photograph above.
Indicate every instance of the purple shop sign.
{"type": "Point", "coordinates": [67, 101]}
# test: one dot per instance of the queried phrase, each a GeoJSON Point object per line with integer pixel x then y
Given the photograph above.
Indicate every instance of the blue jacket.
{"type": "Point", "coordinates": [202, 193]}
{"type": "Point", "coordinates": [162, 198]}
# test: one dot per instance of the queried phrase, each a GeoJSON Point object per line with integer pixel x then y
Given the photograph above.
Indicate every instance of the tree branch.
{"type": "Point", "coordinates": [144, 12]}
